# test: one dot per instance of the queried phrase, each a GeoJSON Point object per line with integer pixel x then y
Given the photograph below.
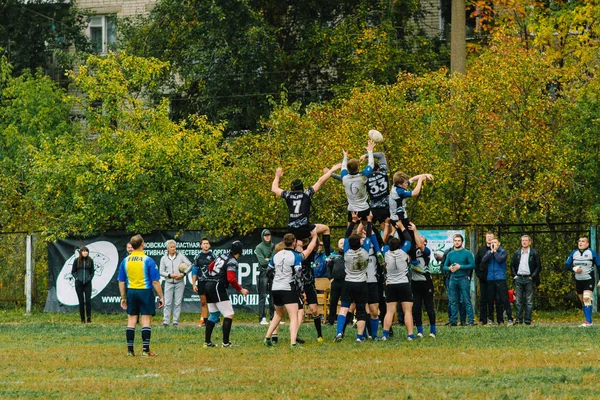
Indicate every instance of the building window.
{"type": "Point", "coordinates": [102, 32]}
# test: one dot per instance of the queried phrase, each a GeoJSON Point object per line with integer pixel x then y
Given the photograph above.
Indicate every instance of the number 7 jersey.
{"type": "Point", "coordinates": [299, 206]}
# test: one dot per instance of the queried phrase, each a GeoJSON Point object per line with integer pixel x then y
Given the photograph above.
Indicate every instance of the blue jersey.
{"type": "Point", "coordinates": [138, 271]}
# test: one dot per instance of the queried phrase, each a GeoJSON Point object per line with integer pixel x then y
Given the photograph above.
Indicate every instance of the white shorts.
{"type": "Point", "coordinates": [224, 307]}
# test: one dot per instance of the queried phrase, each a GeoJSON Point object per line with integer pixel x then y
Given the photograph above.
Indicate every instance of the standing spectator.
{"type": "Point", "coordinates": [336, 272]}
{"type": "Point", "coordinates": [264, 253]}
{"type": "Point", "coordinates": [83, 272]}
{"type": "Point", "coordinates": [581, 262]}
{"type": "Point", "coordinates": [459, 262]}
{"type": "Point", "coordinates": [526, 267]}
{"type": "Point", "coordinates": [481, 270]}
{"type": "Point", "coordinates": [222, 273]}
{"type": "Point", "coordinates": [496, 283]}
{"type": "Point", "coordinates": [199, 275]}
{"type": "Point", "coordinates": [173, 267]}
{"type": "Point", "coordinates": [462, 310]}
{"type": "Point", "coordinates": [138, 274]}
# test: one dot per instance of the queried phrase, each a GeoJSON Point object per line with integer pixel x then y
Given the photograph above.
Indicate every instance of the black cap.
{"type": "Point", "coordinates": [237, 247]}
{"type": "Point", "coordinates": [297, 185]}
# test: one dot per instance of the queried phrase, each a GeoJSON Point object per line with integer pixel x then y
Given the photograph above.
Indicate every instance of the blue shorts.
{"type": "Point", "coordinates": [140, 302]}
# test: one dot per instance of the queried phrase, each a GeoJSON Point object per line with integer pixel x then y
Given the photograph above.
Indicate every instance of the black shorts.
{"type": "Point", "coordinates": [398, 293]}
{"type": "Point", "coordinates": [302, 232]}
{"type": "Point", "coordinates": [216, 292]}
{"type": "Point", "coordinates": [355, 292]}
{"type": "Point", "coordinates": [201, 287]}
{"type": "Point", "coordinates": [140, 302]}
{"type": "Point", "coordinates": [311, 294]}
{"type": "Point", "coordinates": [283, 297]}
{"type": "Point", "coordinates": [373, 290]}
{"type": "Point", "coordinates": [361, 214]}
{"type": "Point", "coordinates": [588, 284]}
{"type": "Point", "coordinates": [380, 215]}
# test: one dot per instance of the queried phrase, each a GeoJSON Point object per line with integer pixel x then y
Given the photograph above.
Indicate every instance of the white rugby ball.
{"type": "Point", "coordinates": [375, 136]}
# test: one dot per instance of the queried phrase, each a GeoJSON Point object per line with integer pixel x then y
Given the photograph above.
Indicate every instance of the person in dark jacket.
{"type": "Point", "coordinates": [336, 272]}
{"type": "Point", "coordinates": [496, 280]}
{"type": "Point", "coordinates": [481, 269]}
{"type": "Point", "coordinates": [525, 267]}
{"type": "Point", "coordinates": [264, 253]}
{"type": "Point", "coordinates": [83, 272]}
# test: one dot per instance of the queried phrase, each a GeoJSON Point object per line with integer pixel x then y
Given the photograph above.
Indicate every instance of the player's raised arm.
{"type": "Point", "coordinates": [275, 185]}
{"type": "Point", "coordinates": [326, 176]}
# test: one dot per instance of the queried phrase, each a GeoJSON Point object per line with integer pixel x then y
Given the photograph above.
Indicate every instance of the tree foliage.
{"type": "Point", "coordinates": [233, 55]}
{"type": "Point", "coordinates": [31, 31]}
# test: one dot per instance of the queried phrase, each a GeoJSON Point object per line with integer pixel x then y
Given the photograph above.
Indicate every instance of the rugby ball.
{"type": "Point", "coordinates": [182, 268]}
{"type": "Point", "coordinates": [375, 136]}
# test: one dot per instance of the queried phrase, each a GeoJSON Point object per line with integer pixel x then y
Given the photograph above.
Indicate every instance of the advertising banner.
{"type": "Point", "coordinates": [109, 249]}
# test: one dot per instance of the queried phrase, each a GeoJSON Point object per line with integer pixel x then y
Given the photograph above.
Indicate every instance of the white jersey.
{"type": "Point", "coordinates": [396, 264]}
{"type": "Point", "coordinates": [286, 263]}
{"type": "Point", "coordinates": [356, 262]}
{"type": "Point", "coordinates": [355, 186]}
{"type": "Point", "coordinates": [419, 276]}
{"type": "Point", "coordinates": [585, 260]}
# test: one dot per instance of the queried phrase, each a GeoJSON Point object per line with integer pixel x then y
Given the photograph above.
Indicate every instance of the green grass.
{"type": "Point", "coordinates": [54, 356]}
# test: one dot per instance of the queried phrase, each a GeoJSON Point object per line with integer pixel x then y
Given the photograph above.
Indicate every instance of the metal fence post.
{"type": "Point", "coordinates": [28, 275]}
{"type": "Point", "coordinates": [473, 247]}
{"type": "Point", "coordinates": [593, 241]}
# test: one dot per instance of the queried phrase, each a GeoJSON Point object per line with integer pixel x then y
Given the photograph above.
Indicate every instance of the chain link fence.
{"type": "Point", "coordinates": [554, 242]}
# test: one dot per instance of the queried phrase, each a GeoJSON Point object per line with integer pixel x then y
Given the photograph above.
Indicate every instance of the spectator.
{"type": "Point", "coordinates": [496, 283]}
{"type": "Point", "coordinates": [481, 270]}
{"type": "Point", "coordinates": [83, 272]}
{"type": "Point", "coordinates": [173, 267]}
{"type": "Point", "coordinates": [264, 253]}
{"type": "Point", "coordinates": [526, 267]}
{"type": "Point", "coordinates": [459, 262]}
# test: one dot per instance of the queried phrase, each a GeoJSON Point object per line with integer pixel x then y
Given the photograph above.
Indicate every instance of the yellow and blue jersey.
{"type": "Point", "coordinates": [138, 271]}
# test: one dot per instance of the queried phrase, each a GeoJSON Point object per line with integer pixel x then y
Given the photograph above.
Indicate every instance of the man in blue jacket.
{"type": "Point", "coordinates": [497, 291]}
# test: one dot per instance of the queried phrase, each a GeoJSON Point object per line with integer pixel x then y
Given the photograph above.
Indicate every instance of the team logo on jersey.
{"type": "Point", "coordinates": [106, 260]}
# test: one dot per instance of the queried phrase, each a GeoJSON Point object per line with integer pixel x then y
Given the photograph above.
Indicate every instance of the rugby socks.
{"type": "Point", "coordinates": [433, 329]}
{"type": "Point", "coordinates": [130, 335]}
{"type": "Point", "coordinates": [317, 321]}
{"type": "Point", "coordinates": [327, 244]}
{"type": "Point", "coordinates": [208, 332]}
{"type": "Point", "coordinates": [349, 320]}
{"type": "Point", "coordinates": [420, 329]}
{"type": "Point", "coordinates": [274, 338]}
{"type": "Point", "coordinates": [587, 312]}
{"type": "Point", "coordinates": [369, 327]}
{"type": "Point", "coordinates": [341, 324]}
{"type": "Point", "coordinates": [374, 327]}
{"type": "Point", "coordinates": [146, 333]}
{"type": "Point", "coordinates": [226, 329]}
{"type": "Point", "coordinates": [411, 336]}
{"type": "Point", "coordinates": [386, 333]}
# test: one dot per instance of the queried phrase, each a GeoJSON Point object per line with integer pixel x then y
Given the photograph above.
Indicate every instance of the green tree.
{"type": "Point", "coordinates": [31, 31]}
{"type": "Point", "coordinates": [232, 56]}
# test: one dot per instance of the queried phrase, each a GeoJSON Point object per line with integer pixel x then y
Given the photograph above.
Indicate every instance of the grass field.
{"type": "Point", "coordinates": [54, 356]}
